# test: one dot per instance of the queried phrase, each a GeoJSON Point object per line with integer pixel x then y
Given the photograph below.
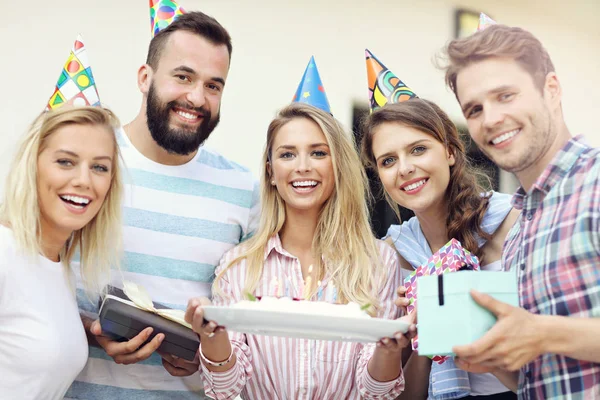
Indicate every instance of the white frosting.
{"type": "Point", "coordinates": [303, 307]}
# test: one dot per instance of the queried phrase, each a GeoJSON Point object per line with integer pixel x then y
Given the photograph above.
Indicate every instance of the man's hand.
{"type": "Point", "coordinates": [473, 368]}
{"type": "Point", "coordinates": [178, 366]}
{"type": "Point", "coordinates": [131, 351]}
{"type": "Point", "coordinates": [515, 340]}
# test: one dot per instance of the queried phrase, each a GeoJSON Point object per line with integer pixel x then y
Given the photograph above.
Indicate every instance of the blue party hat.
{"type": "Point", "coordinates": [310, 90]}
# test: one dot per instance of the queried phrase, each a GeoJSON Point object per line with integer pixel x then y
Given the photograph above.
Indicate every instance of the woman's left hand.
{"type": "Point", "coordinates": [400, 340]}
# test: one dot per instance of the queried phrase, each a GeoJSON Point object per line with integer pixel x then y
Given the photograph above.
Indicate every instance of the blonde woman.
{"type": "Point", "coordinates": [314, 213]}
{"type": "Point", "coordinates": [62, 195]}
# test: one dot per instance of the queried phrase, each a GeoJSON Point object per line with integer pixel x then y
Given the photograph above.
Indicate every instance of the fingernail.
{"type": "Point", "coordinates": [212, 325]}
{"type": "Point", "coordinates": [385, 340]}
{"type": "Point", "coordinates": [398, 336]}
{"type": "Point", "coordinates": [149, 331]}
{"type": "Point", "coordinates": [161, 337]}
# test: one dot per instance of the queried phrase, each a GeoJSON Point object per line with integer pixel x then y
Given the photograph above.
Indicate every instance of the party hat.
{"type": "Point", "coordinates": [310, 90]}
{"type": "Point", "coordinates": [162, 13]}
{"type": "Point", "coordinates": [484, 22]}
{"type": "Point", "coordinates": [384, 86]}
{"type": "Point", "coordinates": [76, 84]}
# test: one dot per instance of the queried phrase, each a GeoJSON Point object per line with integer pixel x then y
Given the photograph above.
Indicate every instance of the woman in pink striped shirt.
{"type": "Point", "coordinates": [314, 213]}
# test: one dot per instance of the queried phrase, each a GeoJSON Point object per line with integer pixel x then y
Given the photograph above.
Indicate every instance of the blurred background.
{"type": "Point", "coordinates": [273, 41]}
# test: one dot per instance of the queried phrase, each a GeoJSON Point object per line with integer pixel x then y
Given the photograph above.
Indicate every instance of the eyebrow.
{"type": "Point", "coordinates": [291, 147]}
{"type": "Point", "coordinates": [72, 154]}
{"type": "Point", "coordinates": [390, 153]}
{"type": "Point", "coordinates": [183, 68]}
{"type": "Point", "coordinates": [498, 89]}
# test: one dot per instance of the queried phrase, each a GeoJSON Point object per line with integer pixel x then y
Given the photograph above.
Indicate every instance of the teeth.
{"type": "Point", "coordinates": [304, 183]}
{"type": "Point", "coordinates": [187, 115]}
{"type": "Point", "coordinates": [415, 185]}
{"type": "Point", "coordinates": [505, 136]}
{"type": "Point", "coordinates": [75, 199]}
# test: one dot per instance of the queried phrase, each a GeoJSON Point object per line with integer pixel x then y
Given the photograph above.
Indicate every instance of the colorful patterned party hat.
{"type": "Point", "coordinates": [310, 90]}
{"type": "Point", "coordinates": [162, 13]}
{"type": "Point", "coordinates": [484, 22]}
{"type": "Point", "coordinates": [384, 86]}
{"type": "Point", "coordinates": [76, 84]}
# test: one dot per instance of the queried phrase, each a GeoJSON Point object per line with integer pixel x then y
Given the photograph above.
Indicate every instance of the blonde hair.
{"type": "Point", "coordinates": [497, 41]}
{"type": "Point", "coordinates": [343, 235]}
{"type": "Point", "coordinates": [99, 242]}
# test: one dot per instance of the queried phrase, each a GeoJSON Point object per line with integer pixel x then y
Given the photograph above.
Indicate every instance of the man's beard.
{"type": "Point", "coordinates": [176, 141]}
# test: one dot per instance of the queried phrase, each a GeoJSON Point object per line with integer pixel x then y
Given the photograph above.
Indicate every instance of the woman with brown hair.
{"type": "Point", "coordinates": [417, 153]}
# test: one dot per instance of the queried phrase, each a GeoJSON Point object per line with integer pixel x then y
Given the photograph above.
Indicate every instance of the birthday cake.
{"type": "Point", "coordinates": [286, 304]}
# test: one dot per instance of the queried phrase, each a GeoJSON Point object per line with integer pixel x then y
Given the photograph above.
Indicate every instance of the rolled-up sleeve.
{"type": "Point", "coordinates": [370, 388]}
{"type": "Point", "coordinates": [228, 384]}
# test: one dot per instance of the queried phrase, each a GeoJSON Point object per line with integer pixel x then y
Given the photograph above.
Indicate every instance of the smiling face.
{"type": "Point", "coordinates": [509, 118]}
{"type": "Point", "coordinates": [184, 92]}
{"type": "Point", "coordinates": [74, 174]}
{"type": "Point", "coordinates": [413, 166]}
{"type": "Point", "coordinates": [301, 166]}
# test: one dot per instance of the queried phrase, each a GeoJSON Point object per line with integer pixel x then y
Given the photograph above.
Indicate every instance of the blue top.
{"type": "Point", "coordinates": [446, 381]}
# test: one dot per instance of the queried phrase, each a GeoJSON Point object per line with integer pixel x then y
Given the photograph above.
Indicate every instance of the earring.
{"type": "Point", "coordinates": [273, 183]}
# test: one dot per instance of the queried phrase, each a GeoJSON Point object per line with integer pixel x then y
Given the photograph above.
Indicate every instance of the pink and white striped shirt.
{"type": "Point", "coordinates": [288, 368]}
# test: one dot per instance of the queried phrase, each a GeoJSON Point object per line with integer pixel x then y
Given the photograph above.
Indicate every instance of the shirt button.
{"type": "Point", "coordinates": [529, 216]}
{"type": "Point", "coordinates": [304, 355]}
{"type": "Point", "coordinates": [432, 379]}
{"type": "Point", "coordinates": [523, 267]}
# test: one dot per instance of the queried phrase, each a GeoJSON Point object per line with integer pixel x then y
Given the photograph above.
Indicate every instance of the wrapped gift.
{"type": "Point", "coordinates": [123, 315]}
{"type": "Point", "coordinates": [448, 315]}
{"type": "Point", "coordinates": [451, 257]}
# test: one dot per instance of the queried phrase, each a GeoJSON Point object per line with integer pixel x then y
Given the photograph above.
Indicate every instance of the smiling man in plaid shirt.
{"type": "Point", "coordinates": [510, 95]}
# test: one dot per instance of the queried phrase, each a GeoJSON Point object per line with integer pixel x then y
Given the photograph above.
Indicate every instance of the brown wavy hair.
{"type": "Point", "coordinates": [194, 22]}
{"type": "Point", "coordinates": [497, 41]}
{"type": "Point", "coordinates": [466, 202]}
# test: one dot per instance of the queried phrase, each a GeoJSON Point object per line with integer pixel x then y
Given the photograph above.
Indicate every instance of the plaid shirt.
{"type": "Point", "coordinates": [555, 248]}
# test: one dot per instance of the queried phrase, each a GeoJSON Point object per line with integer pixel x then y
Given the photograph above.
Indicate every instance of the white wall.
{"type": "Point", "coordinates": [273, 41]}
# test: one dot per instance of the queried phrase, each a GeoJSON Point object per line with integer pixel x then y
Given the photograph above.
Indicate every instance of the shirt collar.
{"type": "Point", "coordinates": [274, 244]}
{"type": "Point", "coordinates": [561, 165]}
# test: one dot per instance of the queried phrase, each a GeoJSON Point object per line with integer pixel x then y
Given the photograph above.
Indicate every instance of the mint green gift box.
{"type": "Point", "coordinates": [447, 314]}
